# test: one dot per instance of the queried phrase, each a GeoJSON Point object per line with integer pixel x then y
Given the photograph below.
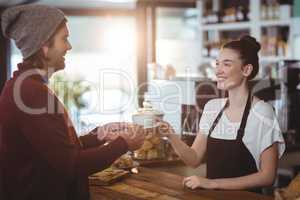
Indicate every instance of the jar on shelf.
{"type": "Point", "coordinates": [276, 10]}
{"type": "Point", "coordinates": [239, 14]}
{"type": "Point", "coordinates": [269, 9]}
{"type": "Point", "coordinates": [263, 10]}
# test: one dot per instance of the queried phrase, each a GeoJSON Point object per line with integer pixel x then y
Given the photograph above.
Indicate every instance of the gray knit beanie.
{"type": "Point", "coordinates": [30, 26]}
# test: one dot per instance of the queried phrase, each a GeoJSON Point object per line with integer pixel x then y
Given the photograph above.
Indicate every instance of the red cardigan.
{"type": "Point", "coordinates": [40, 155]}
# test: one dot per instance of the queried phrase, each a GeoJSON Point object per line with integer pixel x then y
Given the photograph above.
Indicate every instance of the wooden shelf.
{"type": "Point", "coordinates": [168, 1]}
{"type": "Point", "coordinates": [176, 3]}
{"type": "Point", "coordinates": [244, 25]}
{"type": "Point", "coordinates": [226, 26]}
{"type": "Point", "coordinates": [261, 59]}
{"type": "Point", "coordinates": [276, 22]}
{"type": "Point", "coordinates": [272, 58]}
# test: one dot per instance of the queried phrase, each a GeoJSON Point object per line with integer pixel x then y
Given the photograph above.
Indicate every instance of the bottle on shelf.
{"type": "Point", "coordinates": [246, 13]}
{"type": "Point", "coordinates": [210, 18]}
{"type": "Point", "coordinates": [274, 41]}
{"type": "Point", "coordinates": [269, 10]}
{"type": "Point", "coordinates": [229, 15]}
{"type": "Point", "coordinates": [263, 10]}
{"type": "Point", "coordinates": [239, 14]}
{"type": "Point", "coordinates": [275, 8]}
{"type": "Point", "coordinates": [215, 18]}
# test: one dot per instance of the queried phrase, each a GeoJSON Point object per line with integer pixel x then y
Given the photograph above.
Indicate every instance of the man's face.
{"type": "Point", "coordinates": [55, 53]}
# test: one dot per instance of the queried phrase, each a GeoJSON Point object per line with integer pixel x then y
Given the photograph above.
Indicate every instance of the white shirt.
{"type": "Point", "coordinates": [261, 131]}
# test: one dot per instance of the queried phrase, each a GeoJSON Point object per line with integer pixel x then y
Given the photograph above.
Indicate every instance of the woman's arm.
{"type": "Point", "coordinates": [191, 156]}
{"type": "Point", "coordinates": [264, 177]}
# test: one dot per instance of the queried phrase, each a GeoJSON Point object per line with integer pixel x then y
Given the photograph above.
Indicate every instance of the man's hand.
{"type": "Point", "coordinates": [194, 182]}
{"type": "Point", "coordinates": [134, 136]}
{"type": "Point", "coordinates": [111, 131]}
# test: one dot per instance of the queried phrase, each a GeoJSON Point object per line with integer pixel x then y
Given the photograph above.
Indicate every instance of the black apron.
{"type": "Point", "coordinates": [230, 158]}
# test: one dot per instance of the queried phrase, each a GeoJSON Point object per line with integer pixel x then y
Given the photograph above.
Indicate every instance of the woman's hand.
{"type": "Point", "coordinates": [194, 182]}
{"type": "Point", "coordinates": [164, 128]}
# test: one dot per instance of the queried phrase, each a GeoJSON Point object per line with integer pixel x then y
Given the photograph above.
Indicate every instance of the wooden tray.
{"type": "Point", "coordinates": [159, 162]}
{"type": "Point", "coordinates": [108, 176]}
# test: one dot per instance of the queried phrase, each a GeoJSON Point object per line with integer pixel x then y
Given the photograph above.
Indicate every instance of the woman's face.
{"type": "Point", "coordinates": [229, 69]}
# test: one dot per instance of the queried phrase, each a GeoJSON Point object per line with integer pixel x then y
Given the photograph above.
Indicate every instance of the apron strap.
{"type": "Point", "coordinates": [217, 118]}
{"type": "Point", "coordinates": [241, 130]}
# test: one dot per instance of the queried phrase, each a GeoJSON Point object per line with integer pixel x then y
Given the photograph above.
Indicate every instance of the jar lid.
{"type": "Point", "coordinates": [148, 109]}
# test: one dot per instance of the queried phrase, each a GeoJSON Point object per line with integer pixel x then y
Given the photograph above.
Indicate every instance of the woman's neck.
{"type": "Point", "coordinates": [238, 96]}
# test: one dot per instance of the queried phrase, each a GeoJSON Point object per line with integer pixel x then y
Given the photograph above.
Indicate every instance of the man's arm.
{"type": "Point", "coordinates": [91, 140]}
{"type": "Point", "coordinates": [47, 133]}
{"type": "Point", "coordinates": [102, 134]}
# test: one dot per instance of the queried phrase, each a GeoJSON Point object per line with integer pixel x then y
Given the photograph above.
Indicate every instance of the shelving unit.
{"type": "Point", "coordinates": [255, 27]}
{"type": "Point", "coordinates": [226, 26]}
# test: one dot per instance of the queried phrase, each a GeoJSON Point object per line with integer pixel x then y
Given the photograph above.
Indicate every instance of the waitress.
{"type": "Point", "coordinates": [240, 134]}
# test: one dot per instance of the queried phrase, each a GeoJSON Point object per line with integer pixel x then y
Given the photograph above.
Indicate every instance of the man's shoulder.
{"type": "Point", "coordinates": [24, 87]}
{"type": "Point", "coordinates": [30, 91]}
{"type": "Point", "coordinates": [30, 85]}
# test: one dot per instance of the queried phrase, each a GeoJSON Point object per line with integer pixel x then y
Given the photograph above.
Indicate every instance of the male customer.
{"type": "Point", "coordinates": [41, 156]}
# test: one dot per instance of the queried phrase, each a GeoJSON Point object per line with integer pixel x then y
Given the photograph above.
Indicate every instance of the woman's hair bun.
{"type": "Point", "coordinates": [251, 41]}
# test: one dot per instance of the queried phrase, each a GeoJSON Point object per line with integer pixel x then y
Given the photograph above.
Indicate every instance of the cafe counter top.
{"type": "Point", "coordinates": [150, 183]}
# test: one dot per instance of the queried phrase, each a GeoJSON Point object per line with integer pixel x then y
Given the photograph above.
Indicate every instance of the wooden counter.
{"type": "Point", "coordinates": [158, 185]}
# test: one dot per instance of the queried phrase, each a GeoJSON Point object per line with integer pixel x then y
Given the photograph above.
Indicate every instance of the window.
{"type": "Point", "coordinates": [178, 39]}
{"type": "Point", "coordinates": [104, 58]}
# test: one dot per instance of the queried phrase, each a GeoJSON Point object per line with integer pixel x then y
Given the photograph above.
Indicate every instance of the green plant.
{"type": "Point", "coordinates": [69, 89]}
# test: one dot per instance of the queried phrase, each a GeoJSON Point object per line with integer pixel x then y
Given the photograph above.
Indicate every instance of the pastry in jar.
{"type": "Point", "coordinates": [140, 154]}
{"type": "Point", "coordinates": [152, 154]}
{"type": "Point", "coordinates": [147, 145]}
{"type": "Point", "coordinates": [155, 140]}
